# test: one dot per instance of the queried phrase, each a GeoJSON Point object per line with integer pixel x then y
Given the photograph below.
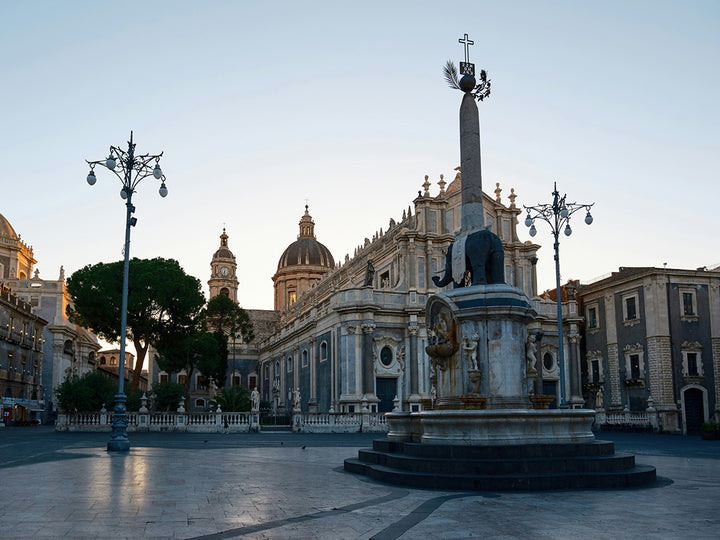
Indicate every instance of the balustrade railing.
{"type": "Point", "coordinates": [218, 422]}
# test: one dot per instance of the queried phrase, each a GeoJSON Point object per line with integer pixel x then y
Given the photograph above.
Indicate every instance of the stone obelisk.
{"type": "Point", "coordinates": [472, 208]}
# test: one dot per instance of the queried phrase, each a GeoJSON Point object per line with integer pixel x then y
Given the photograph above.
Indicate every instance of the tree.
{"type": "Point", "coordinates": [225, 316]}
{"type": "Point", "coordinates": [162, 301]}
{"type": "Point", "coordinates": [166, 396]}
{"type": "Point", "coordinates": [87, 393]}
{"type": "Point", "coordinates": [198, 350]}
{"type": "Point", "coordinates": [232, 399]}
{"type": "Point", "coordinates": [228, 321]}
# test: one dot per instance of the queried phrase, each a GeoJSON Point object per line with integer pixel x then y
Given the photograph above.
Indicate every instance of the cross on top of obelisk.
{"type": "Point", "coordinates": [466, 68]}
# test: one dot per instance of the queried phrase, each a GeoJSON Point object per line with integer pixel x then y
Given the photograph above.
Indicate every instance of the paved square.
{"type": "Point", "coordinates": [292, 486]}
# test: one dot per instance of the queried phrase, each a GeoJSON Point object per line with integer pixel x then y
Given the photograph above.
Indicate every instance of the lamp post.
{"type": "Point", "coordinates": [556, 215]}
{"type": "Point", "coordinates": [132, 169]}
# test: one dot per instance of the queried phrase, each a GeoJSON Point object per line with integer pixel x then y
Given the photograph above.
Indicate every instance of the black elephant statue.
{"type": "Point", "coordinates": [484, 258]}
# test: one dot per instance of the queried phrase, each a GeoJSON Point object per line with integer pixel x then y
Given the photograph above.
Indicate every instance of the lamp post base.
{"type": "Point", "coordinates": [119, 441]}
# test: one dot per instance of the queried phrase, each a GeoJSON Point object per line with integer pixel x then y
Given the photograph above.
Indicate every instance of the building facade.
{"type": "Point", "coordinates": [67, 349]}
{"type": "Point", "coordinates": [353, 336]}
{"type": "Point", "coordinates": [652, 340]}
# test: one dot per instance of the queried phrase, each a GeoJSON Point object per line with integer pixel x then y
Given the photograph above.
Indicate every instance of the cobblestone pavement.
{"type": "Point", "coordinates": [216, 486]}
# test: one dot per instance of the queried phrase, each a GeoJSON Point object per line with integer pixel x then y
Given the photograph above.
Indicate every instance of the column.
{"type": "Point", "coordinates": [368, 376]}
{"type": "Point", "coordinates": [575, 374]}
{"type": "Point", "coordinates": [413, 359]}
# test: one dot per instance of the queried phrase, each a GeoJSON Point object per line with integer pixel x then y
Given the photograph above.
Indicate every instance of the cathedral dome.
{"type": "Point", "coordinates": [306, 250]}
{"type": "Point", "coordinates": [5, 228]}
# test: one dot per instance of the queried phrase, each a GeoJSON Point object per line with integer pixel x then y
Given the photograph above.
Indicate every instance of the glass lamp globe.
{"type": "Point", "coordinates": [533, 231]}
{"type": "Point", "coordinates": [588, 218]}
{"type": "Point", "coordinates": [91, 178]}
{"type": "Point", "coordinates": [528, 221]}
{"type": "Point", "coordinates": [123, 194]}
{"type": "Point", "coordinates": [564, 212]}
{"type": "Point", "coordinates": [110, 162]}
{"type": "Point", "coordinates": [157, 171]}
{"type": "Point", "coordinates": [163, 190]}
{"type": "Point", "coordinates": [568, 230]}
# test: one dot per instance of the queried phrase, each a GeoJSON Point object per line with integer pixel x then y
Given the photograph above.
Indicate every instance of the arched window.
{"type": "Point", "coordinates": [323, 351]}
{"type": "Point", "coordinates": [289, 363]}
{"type": "Point", "coordinates": [225, 291]}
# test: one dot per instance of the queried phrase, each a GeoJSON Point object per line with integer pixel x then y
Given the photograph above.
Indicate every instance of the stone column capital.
{"type": "Point", "coordinates": [368, 328]}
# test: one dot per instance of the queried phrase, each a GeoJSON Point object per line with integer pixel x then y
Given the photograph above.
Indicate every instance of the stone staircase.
{"type": "Point", "coordinates": [592, 465]}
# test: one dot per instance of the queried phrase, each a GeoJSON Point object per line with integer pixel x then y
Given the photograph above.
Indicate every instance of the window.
{"type": "Point", "coordinates": [506, 229]}
{"type": "Point", "coordinates": [595, 366]}
{"type": "Point", "coordinates": [200, 402]}
{"type": "Point", "coordinates": [595, 370]}
{"type": "Point", "coordinates": [113, 361]}
{"type": "Point", "coordinates": [236, 380]}
{"type": "Point", "coordinates": [548, 361]}
{"type": "Point", "coordinates": [634, 364]}
{"type": "Point", "coordinates": [304, 359]}
{"type": "Point", "coordinates": [688, 304]}
{"type": "Point", "coordinates": [386, 356]}
{"type": "Point", "coordinates": [631, 308]}
{"type": "Point", "coordinates": [200, 381]}
{"type": "Point", "coordinates": [164, 378]}
{"type": "Point", "coordinates": [323, 351]}
{"type": "Point", "coordinates": [692, 360]}
{"type": "Point", "coordinates": [385, 280]}
{"type": "Point", "coordinates": [292, 297]}
{"type": "Point", "coordinates": [692, 363]}
{"type": "Point", "coordinates": [182, 379]}
{"type": "Point", "coordinates": [252, 382]}
{"type": "Point", "coordinates": [592, 320]}
{"type": "Point", "coordinates": [289, 363]}
{"type": "Point", "coordinates": [103, 360]}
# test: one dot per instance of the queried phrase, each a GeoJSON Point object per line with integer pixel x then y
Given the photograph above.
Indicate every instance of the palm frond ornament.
{"type": "Point", "coordinates": [480, 90]}
{"type": "Point", "coordinates": [451, 75]}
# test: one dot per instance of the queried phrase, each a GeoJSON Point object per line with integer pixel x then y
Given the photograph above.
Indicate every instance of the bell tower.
{"type": "Point", "coordinates": [223, 277]}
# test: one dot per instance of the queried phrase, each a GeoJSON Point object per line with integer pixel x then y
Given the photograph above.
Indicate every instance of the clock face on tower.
{"type": "Point", "coordinates": [224, 270]}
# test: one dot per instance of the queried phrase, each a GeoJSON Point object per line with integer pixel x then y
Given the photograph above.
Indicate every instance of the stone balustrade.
{"type": "Point", "coordinates": [632, 419]}
{"type": "Point", "coordinates": [223, 422]}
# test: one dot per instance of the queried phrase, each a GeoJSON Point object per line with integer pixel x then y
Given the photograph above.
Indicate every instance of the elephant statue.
{"type": "Point", "coordinates": [484, 258]}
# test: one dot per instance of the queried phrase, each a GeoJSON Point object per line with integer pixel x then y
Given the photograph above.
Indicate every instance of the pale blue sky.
{"type": "Point", "coordinates": [259, 106]}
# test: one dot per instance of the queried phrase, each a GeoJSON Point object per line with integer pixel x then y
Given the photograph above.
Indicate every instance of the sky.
{"type": "Point", "coordinates": [262, 107]}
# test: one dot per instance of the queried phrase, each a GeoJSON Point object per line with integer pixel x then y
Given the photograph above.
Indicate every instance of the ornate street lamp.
{"type": "Point", "coordinates": [556, 215]}
{"type": "Point", "coordinates": [131, 170]}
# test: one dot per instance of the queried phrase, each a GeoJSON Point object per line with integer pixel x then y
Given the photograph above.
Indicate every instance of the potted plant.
{"type": "Point", "coordinates": [710, 431]}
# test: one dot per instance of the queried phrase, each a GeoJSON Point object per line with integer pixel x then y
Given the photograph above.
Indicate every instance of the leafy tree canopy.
{"type": "Point", "coordinates": [232, 399]}
{"type": "Point", "coordinates": [198, 350]}
{"type": "Point", "coordinates": [162, 301]}
{"type": "Point", "coordinates": [225, 316]}
{"type": "Point", "coordinates": [87, 393]}
{"type": "Point", "coordinates": [166, 396]}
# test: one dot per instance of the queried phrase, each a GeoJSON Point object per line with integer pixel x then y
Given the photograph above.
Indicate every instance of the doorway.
{"type": "Point", "coordinates": [386, 390]}
{"type": "Point", "coordinates": [694, 410]}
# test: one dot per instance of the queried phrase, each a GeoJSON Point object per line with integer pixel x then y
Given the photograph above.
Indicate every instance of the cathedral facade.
{"type": "Point", "coordinates": [351, 335]}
